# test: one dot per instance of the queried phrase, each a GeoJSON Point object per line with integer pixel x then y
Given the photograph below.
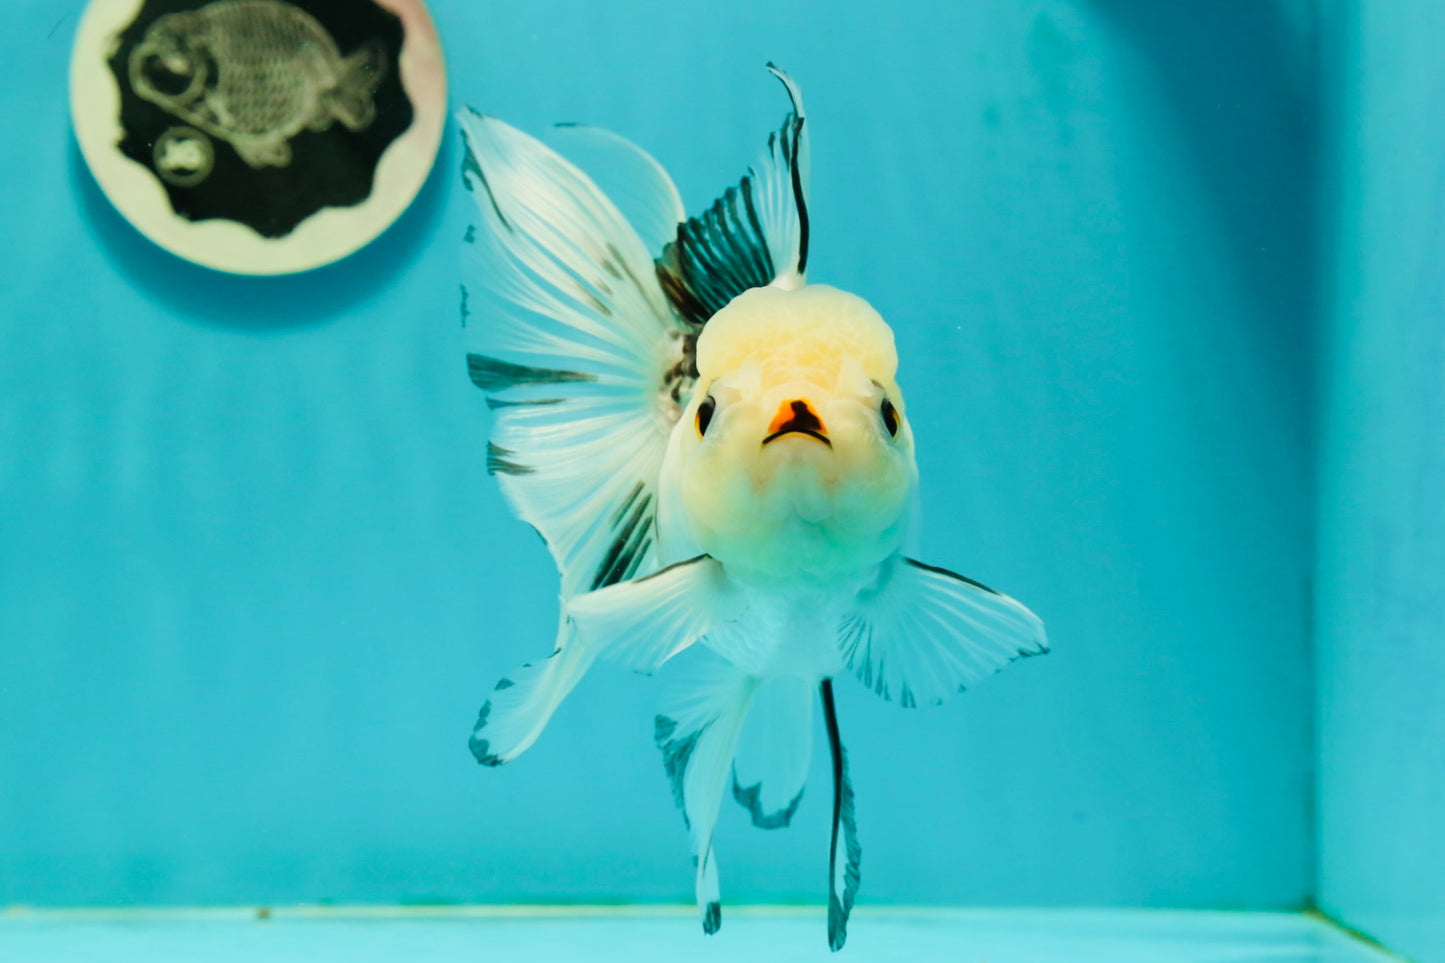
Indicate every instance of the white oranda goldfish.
{"type": "Point", "coordinates": [719, 457]}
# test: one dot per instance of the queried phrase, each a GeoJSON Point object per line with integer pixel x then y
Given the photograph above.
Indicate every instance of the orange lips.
{"type": "Point", "coordinates": [797, 417]}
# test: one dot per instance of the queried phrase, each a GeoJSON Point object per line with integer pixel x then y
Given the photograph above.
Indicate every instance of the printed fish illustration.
{"type": "Point", "coordinates": [718, 455]}
{"type": "Point", "coordinates": [255, 73]}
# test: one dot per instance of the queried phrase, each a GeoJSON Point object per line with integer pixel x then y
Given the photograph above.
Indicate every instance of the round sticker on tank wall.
{"type": "Point", "coordinates": [259, 136]}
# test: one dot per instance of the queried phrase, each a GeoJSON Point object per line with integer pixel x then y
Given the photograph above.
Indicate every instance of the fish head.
{"type": "Point", "coordinates": [173, 62]}
{"type": "Point", "coordinates": [795, 451]}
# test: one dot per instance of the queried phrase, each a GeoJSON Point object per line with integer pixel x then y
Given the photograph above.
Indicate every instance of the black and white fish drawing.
{"type": "Point", "coordinates": [255, 73]}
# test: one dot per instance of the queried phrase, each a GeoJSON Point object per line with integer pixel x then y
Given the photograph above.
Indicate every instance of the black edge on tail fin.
{"type": "Point", "coordinates": [840, 904]}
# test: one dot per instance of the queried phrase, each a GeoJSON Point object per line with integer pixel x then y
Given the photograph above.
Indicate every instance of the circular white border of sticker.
{"type": "Point", "coordinates": [326, 236]}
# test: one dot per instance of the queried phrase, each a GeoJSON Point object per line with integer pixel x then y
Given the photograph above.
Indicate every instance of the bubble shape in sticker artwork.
{"type": "Point", "coordinates": [184, 156]}
{"type": "Point", "coordinates": [255, 73]}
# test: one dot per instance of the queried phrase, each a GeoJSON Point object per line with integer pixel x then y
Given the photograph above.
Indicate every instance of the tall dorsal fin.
{"type": "Point", "coordinates": [754, 235]}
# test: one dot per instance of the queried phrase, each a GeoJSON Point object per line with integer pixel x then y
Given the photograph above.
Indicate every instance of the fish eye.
{"type": "Point", "coordinates": [704, 414]}
{"type": "Point", "coordinates": [890, 417]}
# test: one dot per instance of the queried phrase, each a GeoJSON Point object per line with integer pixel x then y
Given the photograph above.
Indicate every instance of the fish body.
{"type": "Point", "coordinates": [718, 456]}
{"type": "Point", "coordinates": [255, 73]}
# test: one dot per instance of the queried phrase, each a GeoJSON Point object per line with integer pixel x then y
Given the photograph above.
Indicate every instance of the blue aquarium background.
{"type": "Point", "coordinates": [1167, 286]}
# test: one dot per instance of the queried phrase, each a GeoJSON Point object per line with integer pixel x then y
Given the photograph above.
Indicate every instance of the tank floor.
{"type": "Point", "coordinates": [644, 934]}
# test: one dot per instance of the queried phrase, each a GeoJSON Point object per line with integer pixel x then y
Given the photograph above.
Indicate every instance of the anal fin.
{"type": "Point", "coordinates": [776, 745]}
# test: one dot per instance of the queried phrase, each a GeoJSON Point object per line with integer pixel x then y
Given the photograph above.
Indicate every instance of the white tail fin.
{"type": "Point", "coordinates": [575, 346]}
{"type": "Point", "coordinates": [573, 342]}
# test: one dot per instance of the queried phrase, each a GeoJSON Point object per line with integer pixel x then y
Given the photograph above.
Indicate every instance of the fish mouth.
{"type": "Point", "coordinates": [797, 417]}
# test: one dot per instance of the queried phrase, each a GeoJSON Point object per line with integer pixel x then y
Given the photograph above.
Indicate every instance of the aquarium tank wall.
{"type": "Point", "coordinates": [1165, 286]}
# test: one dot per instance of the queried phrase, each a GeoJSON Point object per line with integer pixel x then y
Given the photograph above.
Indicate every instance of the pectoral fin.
{"type": "Point", "coordinates": [923, 633]}
{"type": "Point", "coordinates": [645, 622]}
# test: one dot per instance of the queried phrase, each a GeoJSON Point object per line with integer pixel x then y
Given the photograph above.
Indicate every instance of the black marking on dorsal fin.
{"type": "Point", "coordinates": [725, 250]}
{"type": "Point", "coordinates": [798, 199]}
{"type": "Point", "coordinates": [493, 374]}
{"type": "Point", "coordinates": [716, 256]}
{"type": "Point", "coordinates": [750, 799]}
{"type": "Point", "coordinates": [712, 918]}
{"type": "Point", "coordinates": [793, 126]}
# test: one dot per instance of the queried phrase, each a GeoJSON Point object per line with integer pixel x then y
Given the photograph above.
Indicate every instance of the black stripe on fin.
{"type": "Point", "coordinates": [675, 756]}
{"type": "Point", "coordinates": [840, 905]}
{"type": "Point", "coordinates": [471, 169]}
{"type": "Point", "coordinates": [725, 250]}
{"type": "Point", "coordinates": [495, 404]}
{"type": "Point", "coordinates": [493, 374]}
{"type": "Point", "coordinates": [794, 126]}
{"type": "Point", "coordinates": [633, 525]}
{"type": "Point", "coordinates": [951, 574]}
{"type": "Point", "coordinates": [499, 461]}
{"type": "Point", "coordinates": [749, 799]}
{"type": "Point", "coordinates": [716, 256]}
{"type": "Point", "coordinates": [481, 748]}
